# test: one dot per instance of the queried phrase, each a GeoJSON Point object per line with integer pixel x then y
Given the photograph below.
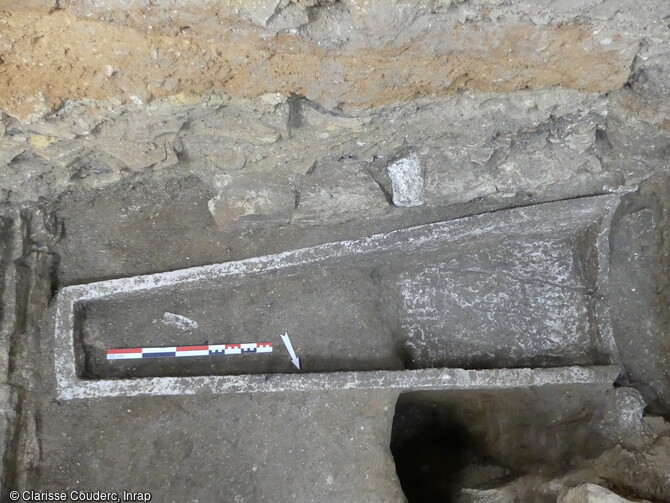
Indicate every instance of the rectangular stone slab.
{"type": "Point", "coordinates": [424, 379]}
{"type": "Point", "coordinates": [515, 288]}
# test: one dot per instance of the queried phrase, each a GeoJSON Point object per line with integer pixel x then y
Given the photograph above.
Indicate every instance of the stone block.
{"type": "Point", "coordinates": [407, 181]}
{"type": "Point", "coordinates": [338, 193]}
{"type": "Point", "coordinates": [247, 202]}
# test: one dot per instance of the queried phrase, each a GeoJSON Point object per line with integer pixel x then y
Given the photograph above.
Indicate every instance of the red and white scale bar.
{"type": "Point", "coordinates": [179, 351]}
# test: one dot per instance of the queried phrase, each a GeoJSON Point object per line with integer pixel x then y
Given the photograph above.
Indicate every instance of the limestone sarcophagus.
{"type": "Point", "coordinates": [436, 306]}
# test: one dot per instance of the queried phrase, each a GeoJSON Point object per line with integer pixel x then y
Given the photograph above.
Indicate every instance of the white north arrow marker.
{"type": "Point", "coordinates": [287, 342]}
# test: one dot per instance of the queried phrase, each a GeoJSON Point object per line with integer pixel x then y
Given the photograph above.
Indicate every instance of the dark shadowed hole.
{"type": "Point", "coordinates": [430, 448]}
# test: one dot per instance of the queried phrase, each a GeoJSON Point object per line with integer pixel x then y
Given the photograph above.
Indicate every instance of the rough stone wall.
{"type": "Point", "coordinates": [495, 97]}
{"type": "Point", "coordinates": [26, 268]}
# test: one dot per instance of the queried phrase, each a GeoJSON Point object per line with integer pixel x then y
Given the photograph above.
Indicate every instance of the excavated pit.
{"type": "Point", "coordinates": [444, 442]}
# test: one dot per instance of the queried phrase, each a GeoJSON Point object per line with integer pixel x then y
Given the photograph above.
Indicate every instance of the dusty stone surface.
{"type": "Point", "coordinates": [243, 453]}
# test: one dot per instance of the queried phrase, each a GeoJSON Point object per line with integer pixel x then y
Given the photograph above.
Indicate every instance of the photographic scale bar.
{"type": "Point", "coordinates": [178, 351]}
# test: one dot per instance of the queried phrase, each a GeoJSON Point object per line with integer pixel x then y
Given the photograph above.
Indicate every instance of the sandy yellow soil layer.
{"type": "Point", "coordinates": [48, 56]}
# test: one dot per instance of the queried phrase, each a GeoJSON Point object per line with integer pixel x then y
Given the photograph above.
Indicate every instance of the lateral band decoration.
{"type": "Point", "coordinates": [178, 351]}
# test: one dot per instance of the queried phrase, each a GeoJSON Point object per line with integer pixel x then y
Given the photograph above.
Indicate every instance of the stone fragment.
{"type": "Point", "coordinates": [652, 78]}
{"type": "Point", "coordinates": [619, 422]}
{"type": "Point", "coordinates": [260, 11]}
{"type": "Point", "coordinates": [10, 149]}
{"type": "Point", "coordinates": [476, 475]}
{"type": "Point", "coordinates": [225, 160]}
{"type": "Point", "coordinates": [332, 123]}
{"type": "Point", "coordinates": [76, 118]}
{"type": "Point", "coordinates": [581, 135]}
{"type": "Point", "coordinates": [590, 493]}
{"type": "Point", "coordinates": [407, 181]}
{"type": "Point", "coordinates": [239, 125]}
{"type": "Point", "coordinates": [94, 171]}
{"type": "Point", "coordinates": [657, 425]}
{"type": "Point", "coordinates": [142, 155]}
{"type": "Point", "coordinates": [40, 142]}
{"type": "Point", "coordinates": [639, 124]}
{"type": "Point", "coordinates": [252, 132]}
{"type": "Point", "coordinates": [536, 161]}
{"type": "Point", "coordinates": [272, 99]}
{"type": "Point", "coordinates": [289, 18]}
{"type": "Point", "coordinates": [30, 108]}
{"type": "Point", "coordinates": [44, 227]}
{"type": "Point", "coordinates": [49, 130]}
{"type": "Point", "coordinates": [339, 194]}
{"type": "Point", "coordinates": [252, 201]}
{"type": "Point", "coordinates": [332, 27]}
{"type": "Point", "coordinates": [60, 152]}
{"type": "Point", "coordinates": [456, 180]}
{"type": "Point", "coordinates": [179, 321]}
{"type": "Point", "coordinates": [500, 495]}
{"type": "Point", "coordinates": [643, 473]}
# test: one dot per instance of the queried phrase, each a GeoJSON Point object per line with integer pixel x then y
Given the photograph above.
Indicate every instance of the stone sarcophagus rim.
{"type": "Point", "coordinates": [574, 232]}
